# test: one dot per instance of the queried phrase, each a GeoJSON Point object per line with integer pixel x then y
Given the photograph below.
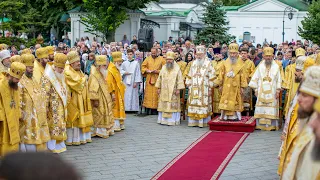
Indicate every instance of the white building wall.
{"type": "Point", "coordinates": [264, 25]}
{"type": "Point", "coordinates": [130, 27]}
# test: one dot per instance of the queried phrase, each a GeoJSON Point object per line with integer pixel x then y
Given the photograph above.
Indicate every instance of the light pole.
{"type": "Point", "coordinates": [290, 16]}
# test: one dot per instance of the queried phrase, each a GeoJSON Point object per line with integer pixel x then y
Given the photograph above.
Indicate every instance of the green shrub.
{"type": "Point", "coordinates": [17, 42]}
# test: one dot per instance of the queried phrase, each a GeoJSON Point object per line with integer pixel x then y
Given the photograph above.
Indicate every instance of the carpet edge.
{"type": "Point", "coordinates": [166, 167]}
{"type": "Point", "coordinates": [226, 161]}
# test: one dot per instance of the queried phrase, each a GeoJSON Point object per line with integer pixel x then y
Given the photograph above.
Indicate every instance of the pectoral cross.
{"type": "Point", "coordinates": [12, 104]}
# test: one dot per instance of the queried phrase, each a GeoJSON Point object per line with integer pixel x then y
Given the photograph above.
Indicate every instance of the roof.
{"type": "Point", "coordinates": [297, 4]}
{"type": "Point", "coordinates": [182, 1]}
{"type": "Point", "coordinates": [5, 20]}
{"type": "Point", "coordinates": [65, 18]}
{"type": "Point", "coordinates": [77, 10]}
{"type": "Point", "coordinates": [230, 8]}
{"type": "Point", "coordinates": [169, 13]}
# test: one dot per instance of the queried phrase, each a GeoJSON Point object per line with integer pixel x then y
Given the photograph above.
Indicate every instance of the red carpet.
{"type": "Point", "coordinates": [247, 124]}
{"type": "Point", "coordinates": [204, 159]}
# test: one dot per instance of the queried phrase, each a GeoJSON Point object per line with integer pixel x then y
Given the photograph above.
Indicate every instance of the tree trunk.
{"type": "Point", "coordinates": [110, 37]}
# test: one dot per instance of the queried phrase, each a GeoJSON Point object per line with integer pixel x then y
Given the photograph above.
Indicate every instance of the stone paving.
{"type": "Point", "coordinates": [145, 147]}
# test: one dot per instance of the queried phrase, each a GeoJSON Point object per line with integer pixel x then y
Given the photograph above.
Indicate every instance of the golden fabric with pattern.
{"type": "Point", "coordinates": [216, 92]}
{"type": "Point", "coordinates": [116, 87]}
{"type": "Point", "coordinates": [182, 65]}
{"type": "Point", "coordinates": [150, 94]}
{"type": "Point", "coordinates": [296, 154]}
{"type": "Point", "coordinates": [9, 117]}
{"type": "Point", "coordinates": [55, 91]}
{"type": "Point", "coordinates": [281, 71]}
{"type": "Point", "coordinates": [291, 86]}
{"type": "Point", "coordinates": [33, 127]}
{"type": "Point", "coordinates": [38, 71]}
{"type": "Point", "coordinates": [79, 100]}
{"type": "Point", "coordinates": [292, 133]}
{"type": "Point", "coordinates": [231, 100]}
{"type": "Point", "coordinates": [98, 91]}
{"type": "Point", "coordinates": [200, 82]}
{"type": "Point", "coordinates": [247, 94]}
{"type": "Point", "coordinates": [168, 82]}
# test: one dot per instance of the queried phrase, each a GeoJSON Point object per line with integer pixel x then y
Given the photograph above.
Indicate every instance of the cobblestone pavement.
{"type": "Point", "coordinates": [145, 147]}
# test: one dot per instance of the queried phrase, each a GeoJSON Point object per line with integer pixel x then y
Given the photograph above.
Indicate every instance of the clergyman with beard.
{"type": "Point", "coordinates": [291, 126]}
{"type": "Point", "coordinates": [302, 157]}
{"type": "Point", "coordinates": [80, 118]}
{"type": "Point", "coordinates": [266, 83]}
{"type": "Point", "coordinates": [55, 89]}
{"type": "Point", "coordinates": [232, 80]}
{"type": "Point", "coordinates": [117, 89]}
{"type": "Point", "coordinates": [42, 56]}
{"type": "Point", "coordinates": [294, 77]}
{"type": "Point", "coordinates": [315, 125]}
{"type": "Point", "coordinates": [34, 131]}
{"type": "Point", "coordinates": [291, 77]}
{"type": "Point", "coordinates": [199, 81]}
{"type": "Point", "coordinates": [100, 98]}
{"type": "Point", "coordinates": [150, 68]}
{"type": "Point", "coordinates": [10, 109]}
{"type": "Point", "coordinates": [50, 50]}
{"type": "Point", "coordinates": [169, 84]}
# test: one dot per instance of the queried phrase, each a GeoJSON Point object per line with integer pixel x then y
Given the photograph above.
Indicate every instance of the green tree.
{"type": "Point", "coordinates": [41, 15]}
{"type": "Point", "coordinates": [234, 2]}
{"type": "Point", "coordinates": [215, 25]}
{"type": "Point", "coordinates": [103, 17]}
{"type": "Point", "coordinates": [11, 10]}
{"type": "Point", "coordinates": [310, 25]}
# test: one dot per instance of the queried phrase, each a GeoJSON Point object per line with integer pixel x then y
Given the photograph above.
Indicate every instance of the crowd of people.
{"type": "Point", "coordinates": [55, 96]}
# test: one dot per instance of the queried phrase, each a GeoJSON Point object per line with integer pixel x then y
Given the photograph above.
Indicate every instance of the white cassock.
{"type": "Point", "coordinates": [267, 82]}
{"type": "Point", "coordinates": [131, 97]}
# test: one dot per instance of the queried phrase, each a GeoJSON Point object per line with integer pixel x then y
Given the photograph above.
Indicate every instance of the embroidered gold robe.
{"type": "Point", "coordinates": [290, 132]}
{"type": "Point", "coordinates": [186, 71]}
{"type": "Point", "coordinates": [216, 95]}
{"type": "Point", "coordinates": [182, 65]}
{"type": "Point", "coordinates": [56, 104]}
{"type": "Point", "coordinates": [79, 104]}
{"type": "Point", "coordinates": [291, 86]}
{"type": "Point", "coordinates": [150, 94]}
{"type": "Point", "coordinates": [3, 70]}
{"type": "Point", "coordinates": [298, 162]}
{"type": "Point", "coordinates": [33, 127]}
{"type": "Point", "coordinates": [200, 81]}
{"type": "Point", "coordinates": [38, 71]}
{"type": "Point", "coordinates": [231, 99]}
{"type": "Point", "coordinates": [266, 83]}
{"type": "Point", "coordinates": [116, 87]}
{"type": "Point", "coordinates": [9, 118]}
{"type": "Point", "coordinates": [317, 62]}
{"type": "Point", "coordinates": [247, 94]}
{"type": "Point", "coordinates": [168, 82]}
{"type": "Point", "coordinates": [98, 91]}
{"type": "Point", "coordinates": [281, 70]}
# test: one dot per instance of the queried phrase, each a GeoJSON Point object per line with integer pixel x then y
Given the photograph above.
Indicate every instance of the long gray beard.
{"type": "Point", "coordinates": [267, 63]}
{"type": "Point", "coordinates": [169, 66]}
{"type": "Point", "coordinates": [233, 60]}
{"type": "Point", "coordinates": [199, 62]}
{"type": "Point", "coordinates": [59, 76]}
{"type": "Point", "coordinates": [104, 73]}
